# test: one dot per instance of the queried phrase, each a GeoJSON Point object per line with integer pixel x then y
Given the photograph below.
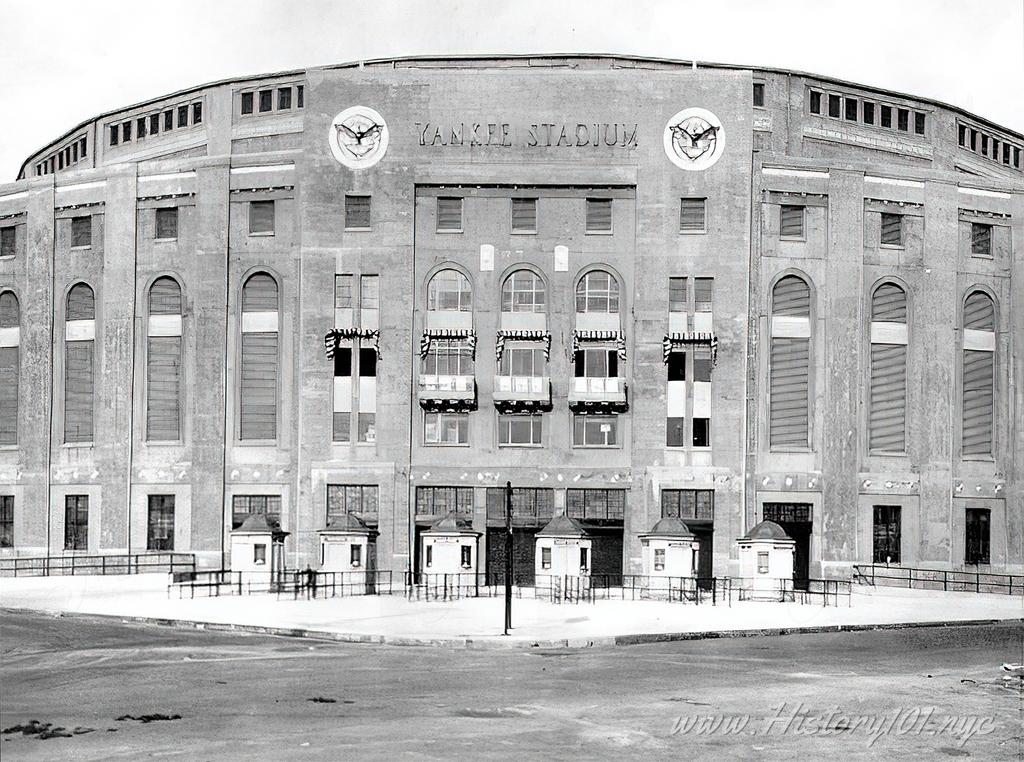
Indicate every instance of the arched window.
{"type": "Point", "coordinates": [597, 292]}
{"type": "Point", "coordinates": [978, 386]}
{"type": "Point", "coordinates": [789, 364]}
{"type": "Point", "coordinates": [887, 409]}
{"type": "Point", "coordinates": [258, 390]}
{"type": "Point", "coordinates": [523, 291]}
{"type": "Point", "coordinates": [163, 362]}
{"type": "Point", "coordinates": [10, 365]}
{"type": "Point", "coordinates": [449, 291]}
{"type": "Point", "coordinates": [79, 364]}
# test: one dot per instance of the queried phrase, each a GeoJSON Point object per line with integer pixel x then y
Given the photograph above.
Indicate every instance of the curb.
{"type": "Point", "coordinates": [500, 643]}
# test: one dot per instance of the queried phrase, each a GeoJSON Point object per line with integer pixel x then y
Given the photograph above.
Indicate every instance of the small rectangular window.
{"type": "Point", "coordinates": [545, 558]}
{"type": "Point", "coordinates": [594, 431]}
{"type": "Point", "coordinates": [167, 223]}
{"type": "Point", "coordinates": [886, 116]}
{"type": "Point", "coordinates": [183, 116]}
{"type": "Point", "coordinates": [168, 120]}
{"type": "Point", "coordinates": [343, 292]}
{"type": "Point", "coordinates": [759, 93]}
{"type": "Point", "coordinates": [701, 432]}
{"type": "Point", "coordinates": [918, 123]}
{"type": "Point", "coordinates": [675, 433]}
{"type": "Point", "coordinates": [299, 93]}
{"type": "Point", "coordinates": [678, 298]}
{"type": "Point", "coordinates": [1006, 153]}
{"type": "Point", "coordinates": [140, 128]}
{"type": "Point", "coordinates": [762, 562]}
{"type": "Point", "coordinates": [974, 140]}
{"type": "Point", "coordinates": [445, 428]}
{"type": "Point", "coordinates": [702, 291]}
{"type": "Point", "coordinates": [659, 559]}
{"type": "Point", "coordinates": [266, 100]}
{"type": "Point", "coordinates": [984, 144]}
{"type": "Point", "coordinates": [449, 214]}
{"type": "Point", "coordinates": [154, 124]}
{"type": "Point", "coordinates": [851, 109]}
{"type": "Point", "coordinates": [197, 113]}
{"type": "Point", "coordinates": [343, 362]}
{"type": "Point", "coordinates": [584, 559]}
{"type": "Point", "coordinates": [357, 212]}
{"type": "Point", "coordinates": [520, 430]}
{"type": "Point", "coordinates": [367, 427]}
{"type": "Point", "coordinates": [428, 553]}
{"type": "Point", "coordinates": [81, 232]}
{"type": "Point", "coordinates": [341, 428]}
{"type": "Point", "coordinates": [977, 530]}
{"type": "Point", "coordinates": [892, 229]}
{"type": "Point", "coordinates": [791, 221]}
{"type": "Point", "coordinates": [524, 215]}
{"type": "Point", "coordinates": [834, 106]}
{"type": "Point", "coordinates": [868, 112]}
{"type": "Point", "coordinates": [702, 364]}
{"type": "Point", "coordinates": [815, 102]}
{"type": "Point", "coordinates": [261, 218]}
{"type": "Point", "coordinates": [76, 522]}
{"type": "Point", "coordinates": [74, 153]}
{"type": "Point", "coordinates": [676, 366]}
{"type": "Point", "coordinates": [81, 148]}
{"type": "Point", "coordinates": [1016, 157]}
{"type": "Point", "coordinates": [8, 241]}
{"type": "Point", "coordinates": [886, 534]}
{"type": "Point", "coordinates": [126, 132]}
{"type": "Point", "coordinates": [114, 134]}
{"type": "Point", "coordinates": [902, 119]}
{"type": "Point", "coordinates": [367, 362]}
{"type": "Point", "coordinates": [692, 213]}
{"type": "Point", "coordinates": [284, 98]}
{"type": "Point", "coordinates": [961, 131]}
{"type": "Point", "coordinates": [369, 292]}
{"type": "Point", "coordinates": [259, 553]}
{"type": "Point", "coordinates": [246, 103]}
{"type": "Point", "coordinates": [981, 240]}
{"type": "Point", "coordinates": [355, 555]}
{"type": "Point", "coordinates": [599, 215]}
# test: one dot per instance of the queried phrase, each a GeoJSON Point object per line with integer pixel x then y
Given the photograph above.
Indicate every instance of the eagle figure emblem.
{"type": "Point", "coordinates": [358, 137]}
{"type": "Point", "coordinates": [694, 137]}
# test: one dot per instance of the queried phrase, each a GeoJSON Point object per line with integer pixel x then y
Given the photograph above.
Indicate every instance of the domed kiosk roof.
{"type": "Point", "coordinates": [348, 522]}
{"type": "Point", "coordinates": [563, 526]}
{"type": "Point", "coordinates": [257, 524]}
{"type": "Point", "coordinates": [670, 526]}
{"type": "Point", "coordinates": [767, 530]}
{"type": "Point", "coordinates": [450, 524]}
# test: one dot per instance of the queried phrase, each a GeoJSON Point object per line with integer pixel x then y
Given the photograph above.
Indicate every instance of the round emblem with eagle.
{"type": "Point", "coordinates": [358, 137]}
{"type": "Point", "coordinates": [694, 139]}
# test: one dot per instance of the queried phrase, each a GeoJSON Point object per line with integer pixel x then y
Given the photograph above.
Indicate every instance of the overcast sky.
{"type": "Point", "coordinates": [62, 63]}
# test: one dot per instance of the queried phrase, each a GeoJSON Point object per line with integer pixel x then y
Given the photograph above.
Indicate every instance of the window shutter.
{"type": "Point", "coordinates": [449, 213]}
{"type": "Point", "coordinates": [78, 392]}
{"type": "Point", "coordinates": [599, 215]}
{"type": "Point", "coordinates": [9, 365]}
{"type": "Point", "coordinates": [259, 386]}
{"type": "Point", "coordinates": [892, 229]}
{"type": "Point", "coordinates": [165, 297]}
{"type": "Point", "coordinates": [887, 417]}
{"type": "Point", "coordinates": [889, 304]}
{"type": "Point", "coordinates": [978, 402]}
{"type": "Point", "coordinates": [691, 214]}
{"type": "Point", "coordinates": [357, 211]}
{"type": "Point", "coordinates": [791, 297]}
{"type": "Point", "coordinates": [259, 294]}
{"type": "Point", "coordinates": [791, 223]}
{"type": "Point", "coordinates": [524, 215]}
{"type": "Point", "coordinates": [788, 389]}
{"type": "Point", "coordinates": [163, 390]}
{"type": "Point", "coordinates": [979, 312]}
{"type": "Point", "coordinates": [81, 303]}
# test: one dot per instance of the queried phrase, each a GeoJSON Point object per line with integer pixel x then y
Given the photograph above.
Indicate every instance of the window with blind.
{"type": "Point", "coordinates": [8, 241]}
{"type": "Point", "coordinates": [691, 215]}
{"type": "Point", "coordinates": [164, 362]}
{"type": "Point", "coordinates": [523, 291]}
{"type": "Point", "coordinates": [978, 375]}
{"type": "Point", "coordinates": [76, 522]}
{"type": "Point", "coordinates": [449, 291]}
{"type": "Point", "coordinates": [79, 383]}
{"type": "Point", "coordinates": [167, 223]}
{"type": "Point", "coordinates": [789, 364]}
{"type": "Point", "coordinates": [81, 232]}
{"type": "Point", "coordinates": [981, 240]}
{"type": "Point", "coordinates": [440, 501]}
{"type": "Point", "coordinates": [887, 403]}
{"type": "Point", "coordinates": [598, 292]}
{"type": "Point", "coordinates": [357, 499]}
{"type": "Point", "coordinates": [595, 504]}
{"type": "Point", "coordinates": [160, 524]}
{"type": "Point", "coordinates": [259, 366]}
{"type": "Point", "coordinates": [524, 215]}
{"type": "Point", "coordinates": [6, 521]}
{"type": "Point", "coordinates": [10, 366]}
{"type": "Point", "coordinates": [357, 212]}
{"type": "Point", "coordinates": [244, 506]}
{"type": "Point", "coordinates": [892, 229]}
{"type": "Point", "coordinates": [599, 215]}
{"type": "Point", "coordinates": [791, 221]}
{"type": "Point", "coordinates": [261, 218]}
{"type": "Point", "coordinates": [449, 214]}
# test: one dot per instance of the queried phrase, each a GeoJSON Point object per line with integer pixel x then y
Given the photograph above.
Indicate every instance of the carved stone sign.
{"type": "Point", "coordinates": [537, 135]}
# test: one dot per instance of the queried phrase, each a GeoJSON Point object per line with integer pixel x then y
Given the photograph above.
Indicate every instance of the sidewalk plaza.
{"type": "Point", "coordinates": [477, 621]}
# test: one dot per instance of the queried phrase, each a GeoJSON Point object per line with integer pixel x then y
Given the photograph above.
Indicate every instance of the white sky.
{"type": "Point", "coordinates": [64, 62]}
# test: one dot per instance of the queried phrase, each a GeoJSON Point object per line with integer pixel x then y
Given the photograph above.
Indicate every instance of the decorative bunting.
{"type": "Point", "coordinates": [502, 336]}
{"type": "Point", "coordinates": [674, 340]}
{"type": "Point", "coordinates": [432, 334]}
{"type": "Point", "coordinates": [334, 338]}
{"type": "Point", "coordinates": [578, 337]}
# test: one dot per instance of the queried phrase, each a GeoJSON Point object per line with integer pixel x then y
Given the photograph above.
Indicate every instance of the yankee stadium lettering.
{"type": "Point", "coordinates": [539, 135]}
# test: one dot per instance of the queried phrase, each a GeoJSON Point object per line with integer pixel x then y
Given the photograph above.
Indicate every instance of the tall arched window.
{"type": "Point", "coordinates": [887, 410]}
{"type": "Point", "coordinates": [979, 345]}
{"type": "Point", "coordinates": [449, 291]}
{"type": "Point", "coordinates": [10, 365]}
{"type": "Point", "coordinates": [259, 367]}
{"type": "Point", "coordinates": [789, 364]}
{"type": "Point", "coordinates": [163, 362]}
{"type": "Point", "coordinates": [523, 291]}
{"type": "Point", "coordinates": [597, 292]}
{"type": "Point", "coordinates": [79, 364]}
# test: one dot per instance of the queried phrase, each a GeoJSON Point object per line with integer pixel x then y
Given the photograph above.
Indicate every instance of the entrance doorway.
{"type": "Point", "coordinates": [795, 520]}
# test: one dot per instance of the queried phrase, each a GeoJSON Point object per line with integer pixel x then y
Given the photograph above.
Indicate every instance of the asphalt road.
{"type": "Point", "coordinates": [248, 697]}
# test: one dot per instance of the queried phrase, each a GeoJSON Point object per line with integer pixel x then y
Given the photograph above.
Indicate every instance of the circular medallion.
{"type": "Point", "coordinates": [694, 139]}
{"type": "Point", "coordinates": [358, 137]}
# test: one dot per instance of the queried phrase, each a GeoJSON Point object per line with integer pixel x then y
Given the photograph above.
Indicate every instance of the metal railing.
{"type": "Point", "coordinates": [826, 592]}
{"type": "Point", "coordinates": [102, 564]}
{"type": "Point", "coordinates": [949, 580]}
{"type": "Point", "coordinates": [422, 586]}
{"type": "Point", "coordinates": [289, 583]}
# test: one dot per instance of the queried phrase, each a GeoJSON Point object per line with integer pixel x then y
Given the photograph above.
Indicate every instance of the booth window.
{"type": "Point", "coordinates": [467, 556]}
{"type": "Point", "coordinates": [356, 555]}
{"type": "Point", "coordinates": [545, 558]}
{"type": "Point", "coordinates": [429, 553]}
{"type": "Point", "coordinates": [762, 563]}
{"type": "Point", "coordinates": [659, 559]}
{"type": "Point", "coordinates": [259, 554]}
{"type": "Point", "coordinates": [584, 559]}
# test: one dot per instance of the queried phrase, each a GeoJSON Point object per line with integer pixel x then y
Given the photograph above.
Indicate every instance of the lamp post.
{"type": "Point", "coordinates": [508, 556]}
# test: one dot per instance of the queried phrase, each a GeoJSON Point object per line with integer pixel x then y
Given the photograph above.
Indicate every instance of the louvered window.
{"type": "Point", "coordinates": [167, 222]}
{"type": "Point", "coordinates": [892, 229]}
{"type": "Point", "coordinates": [887, 411]}
{"type": "Point", "coordinates": [163, 362]}
{"type": "Point", "coordinates": [449, 214]}
{"type": "Point", "coordinates": [599, 215]}
{"type": "Point", "coordinates": [791, 221]}
{"type": "Point", "coordinates": [79, 386]}
{"type": "Point", "coordinates": [789, 371]}
{"type": "Point", "coordinates": [259, 371]}
{"type": "Point", "coordinates": [261, 218]}
{"type": "Point", "coordinates": [978, 375]}
{"type": "Point", "coordinates": [10, 365]}
{"type": "Point", "coordinates": [524, 215]}
{"type": "Point", "coordinates": [81, 231]}
{"type": "Point", "coordinates": [981, 240]}
{"type": "Point", "coordinates": [160, 524]}
{"type": "Point", "coordinates": [357, 212]}
{"type": "Point", "coordinates": [691, 215]}
{"type": "Point", "coordinates": [76, 522]}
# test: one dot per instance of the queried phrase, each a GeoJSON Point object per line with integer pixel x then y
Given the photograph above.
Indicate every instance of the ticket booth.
{"type": "Point", "coordinates": [448, 548]}
{"type": "Point", "coordinates": [348, 550]}
{"type": "Point", "coordinates": [563, 549]}
{"type": "Point", "coordinates": [669, 553]}
{"type": "Point", "coordinates": [766, 562]}
{"type": "Point", "coordinates": [257, 551]}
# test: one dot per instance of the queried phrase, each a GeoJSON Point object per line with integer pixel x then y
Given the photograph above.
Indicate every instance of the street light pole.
{"type": "Point", "coordinates": [508, 556]}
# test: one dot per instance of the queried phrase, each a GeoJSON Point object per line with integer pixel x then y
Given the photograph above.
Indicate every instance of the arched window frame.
{"type": "Point", "coordinates": [590, 293]}
{"type": "Point", "coordinates": [464, 292]}
{"type": "Point", "coordinates": [263, 322]}
{"type": "Point", "coordinates": [979, 341]}
{"type": "Point", "coordinates": [509, 290]}
{"type": "Point", "coordinates": [160, 326]}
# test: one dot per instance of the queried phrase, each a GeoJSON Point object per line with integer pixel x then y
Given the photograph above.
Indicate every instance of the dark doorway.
{"type": "Point", "coordinates": [704, 531]}
{"type": "Point", "coordinates": [524, 541]}
{"type": "Point", "coordinates": [606, 563]}
{"type": "Point", "coordinates": [795, 520]}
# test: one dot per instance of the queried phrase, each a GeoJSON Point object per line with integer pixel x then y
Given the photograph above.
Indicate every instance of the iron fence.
{"type": "Point", "coordinates": [825, 592]}
{"type": "Point", "coordinates": [289, 583]}
{"type": "Point", "coordinates": [949, 580]}
{"type": "Point", "coordinates": [101, 564]}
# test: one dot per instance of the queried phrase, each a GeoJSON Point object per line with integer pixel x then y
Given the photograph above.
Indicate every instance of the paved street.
{"type": "Point", "coordinates": [249, 696]}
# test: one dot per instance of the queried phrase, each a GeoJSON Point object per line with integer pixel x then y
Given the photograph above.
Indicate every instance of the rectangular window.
{"type": "Point", "coordinates": [154, 124]}
{"type": "Point", "coordinates": [599, 215]}
{"type": "Point", "coordinates": [902, 119]}
{"type": "Point", "coordinates": [584, 559]}
{"type": "Point", "coordinates": [299, 93]}
{"type": "Point", "coordinates": [788, 390]}
{"type": "Point", "coordinates": [851, 109]}
{"type": "Point", "coordinates": [702, 290]}
{"type": "Point", "coordinates": [244, 506]}
{"type": "Point", "coordinates": [428, 553]}
{"type": "Point", "coordinates": [978, 402]}
{"type": "Point", "coordinates": [10, 364]}
{"type": "Point", "coordinates": [115, 133]}
{"type": "Point", "coordinates": [259, 553]}
{"type": "Point", "coordinates": [701, 432]}
{"type": "Point", "coordinates": [258, 392]}
{"type": "Point", "coordinates": [759, 93]}
{"type": "Point", "coordinates": [524, 215]}
{"type": "Point", "coordinates": [140, 128]}
{"type": "Point", "coordinates": [78, 391]}
{"type": "Point", "coordinates": [522, 361]}
{"type": "Point", "coordinates": [678, 297]}
{"type": "Point", "coordinates": [692, 212]}
{"type": "Point", "coordinates": [961, 131]}
{"type": "Point", "coordinates": [76, 522]}
{"type": "Point", "coordinates": [183, 116]}
{"type": "Point", "coordinates": [702, 364]}
{"type": "Point", "coordinates": [791, 221]}
{"type": "Point", "coordinates": [197, 113]}
{"type": "Point", "coordinates": [675, 434]}
{"type": "Point", "coordinates": [341, 427]}
{"type": "Point", "coordinates": [886, 116]}
{"type": "Point", "coordinates": [595, 431]}
{"type": "Point", "coordinates": [343, 297]}
{"type": "Point", "coordinates": [762, 562]}
{"type": "Point", "coordinates": [168, 120]}
{"type": "Point", "coordinates": [74, 152]}
{"type": "Point", "coordinates": [595, 504]}
{"type": "Point", "coordinates": [160, 534]}
{"type": "Point", "coordinates": [446, 428]}
{"type": "Point", "coordinates": [81, 232]}
{"type": "Point", "coordinates": [677, 366]}
{"type": "Point", "coordinates": [892, 229]}
{"type": "Point", "coordinates": [520, 430]}
{"type": "Point", "coordinates": [449, 214]}
{"type": "Point", "coordinates": [974, 140]}
{"type": "Point", "coordinates": [545, 558]}
{"type": "Point", "coordinates": [834, 106]}
{"type": "Point", "coordinates": [528, 503]}
{"type": "Point", "coordinates": [163, 389]}
{"type": "Point", "coordinates": [367, 362]}
{"type": "Point", "coordinates": [977, 536]}
{"type": "Point", "coordinates": [659, 559]}
{"type": "Point", "coordinates": [688, 504]}
{"type": "Point", "coordinates": [6, 521]}
{"type": "Point", "coordinates": [266, 100]}
{"type": "Point", "coordinates": [284, 98]}
{"type": "Point", "coordinates": [886, 534]}
{"type": "Point", "coordinates": [357, 212]}
{"type": "Point", "coordinates": [815, 102]}
{"type": "Point", "coordinates": [8, 241]}
{"type": "Point", "coordinates": [440, 501]}
{"type": "Point", "coordinates": [369, 293]}
{"type": "Point", "coordinates": [261, 218]}
{"type": "Point", "coordinates": [246, 103]}
{"type": "Point", "coordinates": [596, 363]}
{"type": "Point", "coordinates": [167, 223]}
{"type": "Point", "coordinates": [367, 427]}
{"type": "Point", "coordinates": [355, 555]}
{"type": "Point", "coordinates": [918, 123]}
{"type": "Point", "coordinates": [466, 556]}
{"type": "Point", "coordinates": [981, 240]}
{"type": "Point", "coordinates": [357, 499]}
{"type": "Point", "coordinates": [449, 357]}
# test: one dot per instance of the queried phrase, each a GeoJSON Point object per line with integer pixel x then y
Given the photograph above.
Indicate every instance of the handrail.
{"type": "Point", "coordinates": [949, 580]}
{"type": "Point", "coordinates": [101, 564]}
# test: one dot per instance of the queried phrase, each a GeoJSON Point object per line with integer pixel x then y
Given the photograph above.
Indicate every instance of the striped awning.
{"type": "Point", "coordinates": [673, 341]}
{"type": "Point", "coordinates": [580, 337]}
{"type": "Point", "coordinates": [432, 334]}
{"type": "Point", "coordinates": [334, 338]}
{"type": "Point", "coordinates": [502, 336]}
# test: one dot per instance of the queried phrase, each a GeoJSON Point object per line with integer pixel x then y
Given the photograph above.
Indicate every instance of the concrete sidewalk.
{"type": "Point", "coordinates": [477, 622]}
